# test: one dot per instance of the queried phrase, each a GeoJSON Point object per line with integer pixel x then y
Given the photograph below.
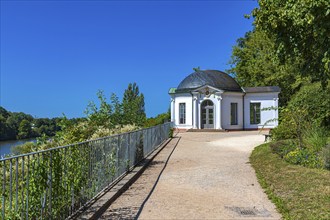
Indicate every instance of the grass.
{"type": "Point", "coordinates": [298, 192]}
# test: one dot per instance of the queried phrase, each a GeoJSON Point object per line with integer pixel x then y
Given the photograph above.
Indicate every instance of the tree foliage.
{"type": "Point", "coordinates": [159, 119]}
{"type": "Point", "coordinates": [301, 30]}
{"type": "Point", "coordinates": [133, 106]}
{"type": "Point", "coordinates": [24, 129]}
{"type": "Point", "coordinates": [11, 126]}
{"type": "Point", "coordinates": [99, 115]}
{"type": "Point", "coordinates": [315, 100]}
{"type": "Point", "coordinates": [306, 119]}
{"type": "Point", "coordinates": [105, 118]}
{"type": "Point", "coordinates": [254, 63]}
{"type": "Point", "coordinates": [130, 111]}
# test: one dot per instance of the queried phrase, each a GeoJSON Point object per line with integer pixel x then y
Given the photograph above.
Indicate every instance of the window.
{"type": "Point", "coordinates": [182, 113]}
{"type": "Point", "coordinates": [233, 113]}
{"type": "Point", "coordinates": [255, 113]}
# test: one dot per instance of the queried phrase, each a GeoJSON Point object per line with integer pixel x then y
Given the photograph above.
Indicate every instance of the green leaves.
{"type": "Point", "coordinates": [301, 30]}
{"type": "Point", "coordinates": [24, 129]}
{"type": "Point", "coordinates": [316, 101]}
{"type": "Point", "coordinates": [254, 62]}
{"type": "Point", "coordinates": [133, 106]}
{"type": "Point", "coordinates": [12, 125]}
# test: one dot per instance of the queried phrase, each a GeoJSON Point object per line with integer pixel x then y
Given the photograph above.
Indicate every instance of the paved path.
{"type": "Point", "coordinates": [208, 176]}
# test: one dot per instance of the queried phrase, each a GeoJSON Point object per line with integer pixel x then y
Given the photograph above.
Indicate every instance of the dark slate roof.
{"type": "Point", "coordinates": [214, 78]}
{"type": "Point", "coordinates": [262, 89]}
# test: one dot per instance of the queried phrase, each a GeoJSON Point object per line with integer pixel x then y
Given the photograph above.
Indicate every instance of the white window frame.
{"type": "Point", "coordinates": [233, 115]}
{"type": "Point", "coordinates": [255, 113]}
{"type": "Point", "coordinates": [182, 113]}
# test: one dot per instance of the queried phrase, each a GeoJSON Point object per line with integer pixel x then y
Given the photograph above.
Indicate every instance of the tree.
{"type": "Point", "coordinates": [301, 30]}
{"type": "Point", "coordinates": [254, 63]}
{"type": "Point", "coordinates": [3, 128]}
{"type": "Point", "coordinates": [6, 132]}
{"type": "Point", "coordinates": [10, 123]}
{"type": "Point", "coordinates": [4, 112]}
{"type": "Point", "coordinates": [99, 115]}
{"type": "Point", "coordinates": [24, 130]}
{"type": "Point", "coordinates": [133, 106]}
{"type": "Point", "coordinates": [159, 119]}
{"type": "Point", "coordinates": [16, 118]}
{"type": "Point", "coordinates": [117, 115]}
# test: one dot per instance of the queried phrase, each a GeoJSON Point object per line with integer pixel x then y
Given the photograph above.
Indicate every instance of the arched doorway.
{"type": "Point", "coordinates": [207, 114]}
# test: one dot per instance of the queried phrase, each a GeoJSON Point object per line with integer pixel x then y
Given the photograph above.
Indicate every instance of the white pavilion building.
{"type": "Point", "coordinates": [211, 99]}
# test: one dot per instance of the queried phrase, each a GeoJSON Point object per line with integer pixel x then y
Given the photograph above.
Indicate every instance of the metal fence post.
{"type": "Point", "coordinates": [4, 190]}
{"type": "Point", "coordinates": [27, 186]}
{"type": "Point", "coordinates": [50, 184]}
{"type": "Point", "coordinates": [128, 152]}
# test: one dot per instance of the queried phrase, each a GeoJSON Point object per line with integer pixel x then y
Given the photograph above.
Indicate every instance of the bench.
{"type": "Point", "coordinates": [267, 137]}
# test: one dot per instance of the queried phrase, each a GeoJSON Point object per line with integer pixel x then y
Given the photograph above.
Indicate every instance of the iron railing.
{"type": "Point", "coordinates": [56, 183]}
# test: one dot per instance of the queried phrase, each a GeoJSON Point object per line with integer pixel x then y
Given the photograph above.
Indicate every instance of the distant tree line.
{"type": "Point", "coordinates": [159, 119]}
{"type": "Point", "coordinates": [18, 125]}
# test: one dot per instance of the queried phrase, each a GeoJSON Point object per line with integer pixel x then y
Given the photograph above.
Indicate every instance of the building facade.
{"type": "Point", "coordinates": [211, 99]}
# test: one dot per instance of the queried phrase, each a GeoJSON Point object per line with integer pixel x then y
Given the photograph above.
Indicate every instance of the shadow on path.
{"type": "Point", "coordinates": [136, 194]}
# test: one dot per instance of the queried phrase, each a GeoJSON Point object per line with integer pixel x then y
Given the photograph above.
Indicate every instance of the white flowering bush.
{"type": "Point", "coordinates": [119, 129]}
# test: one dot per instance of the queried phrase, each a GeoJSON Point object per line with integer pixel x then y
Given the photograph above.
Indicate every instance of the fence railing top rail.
{"type": "Point", "coordinates": [74, 144]}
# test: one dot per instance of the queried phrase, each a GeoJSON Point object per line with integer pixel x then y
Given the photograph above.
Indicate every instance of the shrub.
{"type": "Point", "coordinates": [315, 138]}
{"type": "Point", "coordinates": [170, 133]}
{"type": "Point", "coordinates": [312, 157]}
{"type": "Point", "coordinates": [316, 101]}
{"type": "Point", "coordinates": [283, 147]}
{"type": "Point", "coordinates": [305, 158]}
{"type": "Point", "coordinates": [283, 131]}
{"type": "Point", "coordinates": [292, 124]}
{"type": "Point", "coordinates": [310, 104]}
{"type": "Point", "coordinates": [25, 148]}
{"type": "Point", "coordinates": [159, 119]}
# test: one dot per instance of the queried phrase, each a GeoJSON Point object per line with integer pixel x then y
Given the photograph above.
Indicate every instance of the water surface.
{"type": "Point", "coordinates": [7, 146]}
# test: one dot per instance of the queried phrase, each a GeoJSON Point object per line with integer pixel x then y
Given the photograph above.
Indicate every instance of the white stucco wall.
{"type": "Point", "coordinates": [266, 100]}
{"type": "Point", "coordinates": [187, 99]}
{"type": "Point", "coordinates": [227, 99]}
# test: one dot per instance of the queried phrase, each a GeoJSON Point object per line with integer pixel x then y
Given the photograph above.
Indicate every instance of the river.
{"type": "Point", "coordinates": [6, 146]}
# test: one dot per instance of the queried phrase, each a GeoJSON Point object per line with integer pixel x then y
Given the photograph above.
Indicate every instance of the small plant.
{"type": "Point", "coordinates": [283, 147]}
{"type": "Point", "coordinates": [291, 126]}
{"type": "Point", "coordinates": [315, 138]}
{"type": "Point", "coordinates": [305, 158]}
{"type": "Point", "coordinates": [170, 133]}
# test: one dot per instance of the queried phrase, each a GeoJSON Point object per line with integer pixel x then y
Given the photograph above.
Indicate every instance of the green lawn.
{"type": "Point", "coordinates": [298, 192]}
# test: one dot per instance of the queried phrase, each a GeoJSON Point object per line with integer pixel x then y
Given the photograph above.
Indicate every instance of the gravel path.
{"type": "Point", "coordinates": [208, 176]}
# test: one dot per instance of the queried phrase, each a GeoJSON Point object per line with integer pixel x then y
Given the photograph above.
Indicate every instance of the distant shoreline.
{"type": "Point", "coordinates": [6, 146]}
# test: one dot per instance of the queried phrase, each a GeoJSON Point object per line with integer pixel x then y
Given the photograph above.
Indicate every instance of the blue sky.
{"type": "Point", "coordinates": [55, 55]}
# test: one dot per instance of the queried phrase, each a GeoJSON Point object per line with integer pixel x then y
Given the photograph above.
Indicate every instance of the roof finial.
{"type": "Point", "coordinates": [197, 69]}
